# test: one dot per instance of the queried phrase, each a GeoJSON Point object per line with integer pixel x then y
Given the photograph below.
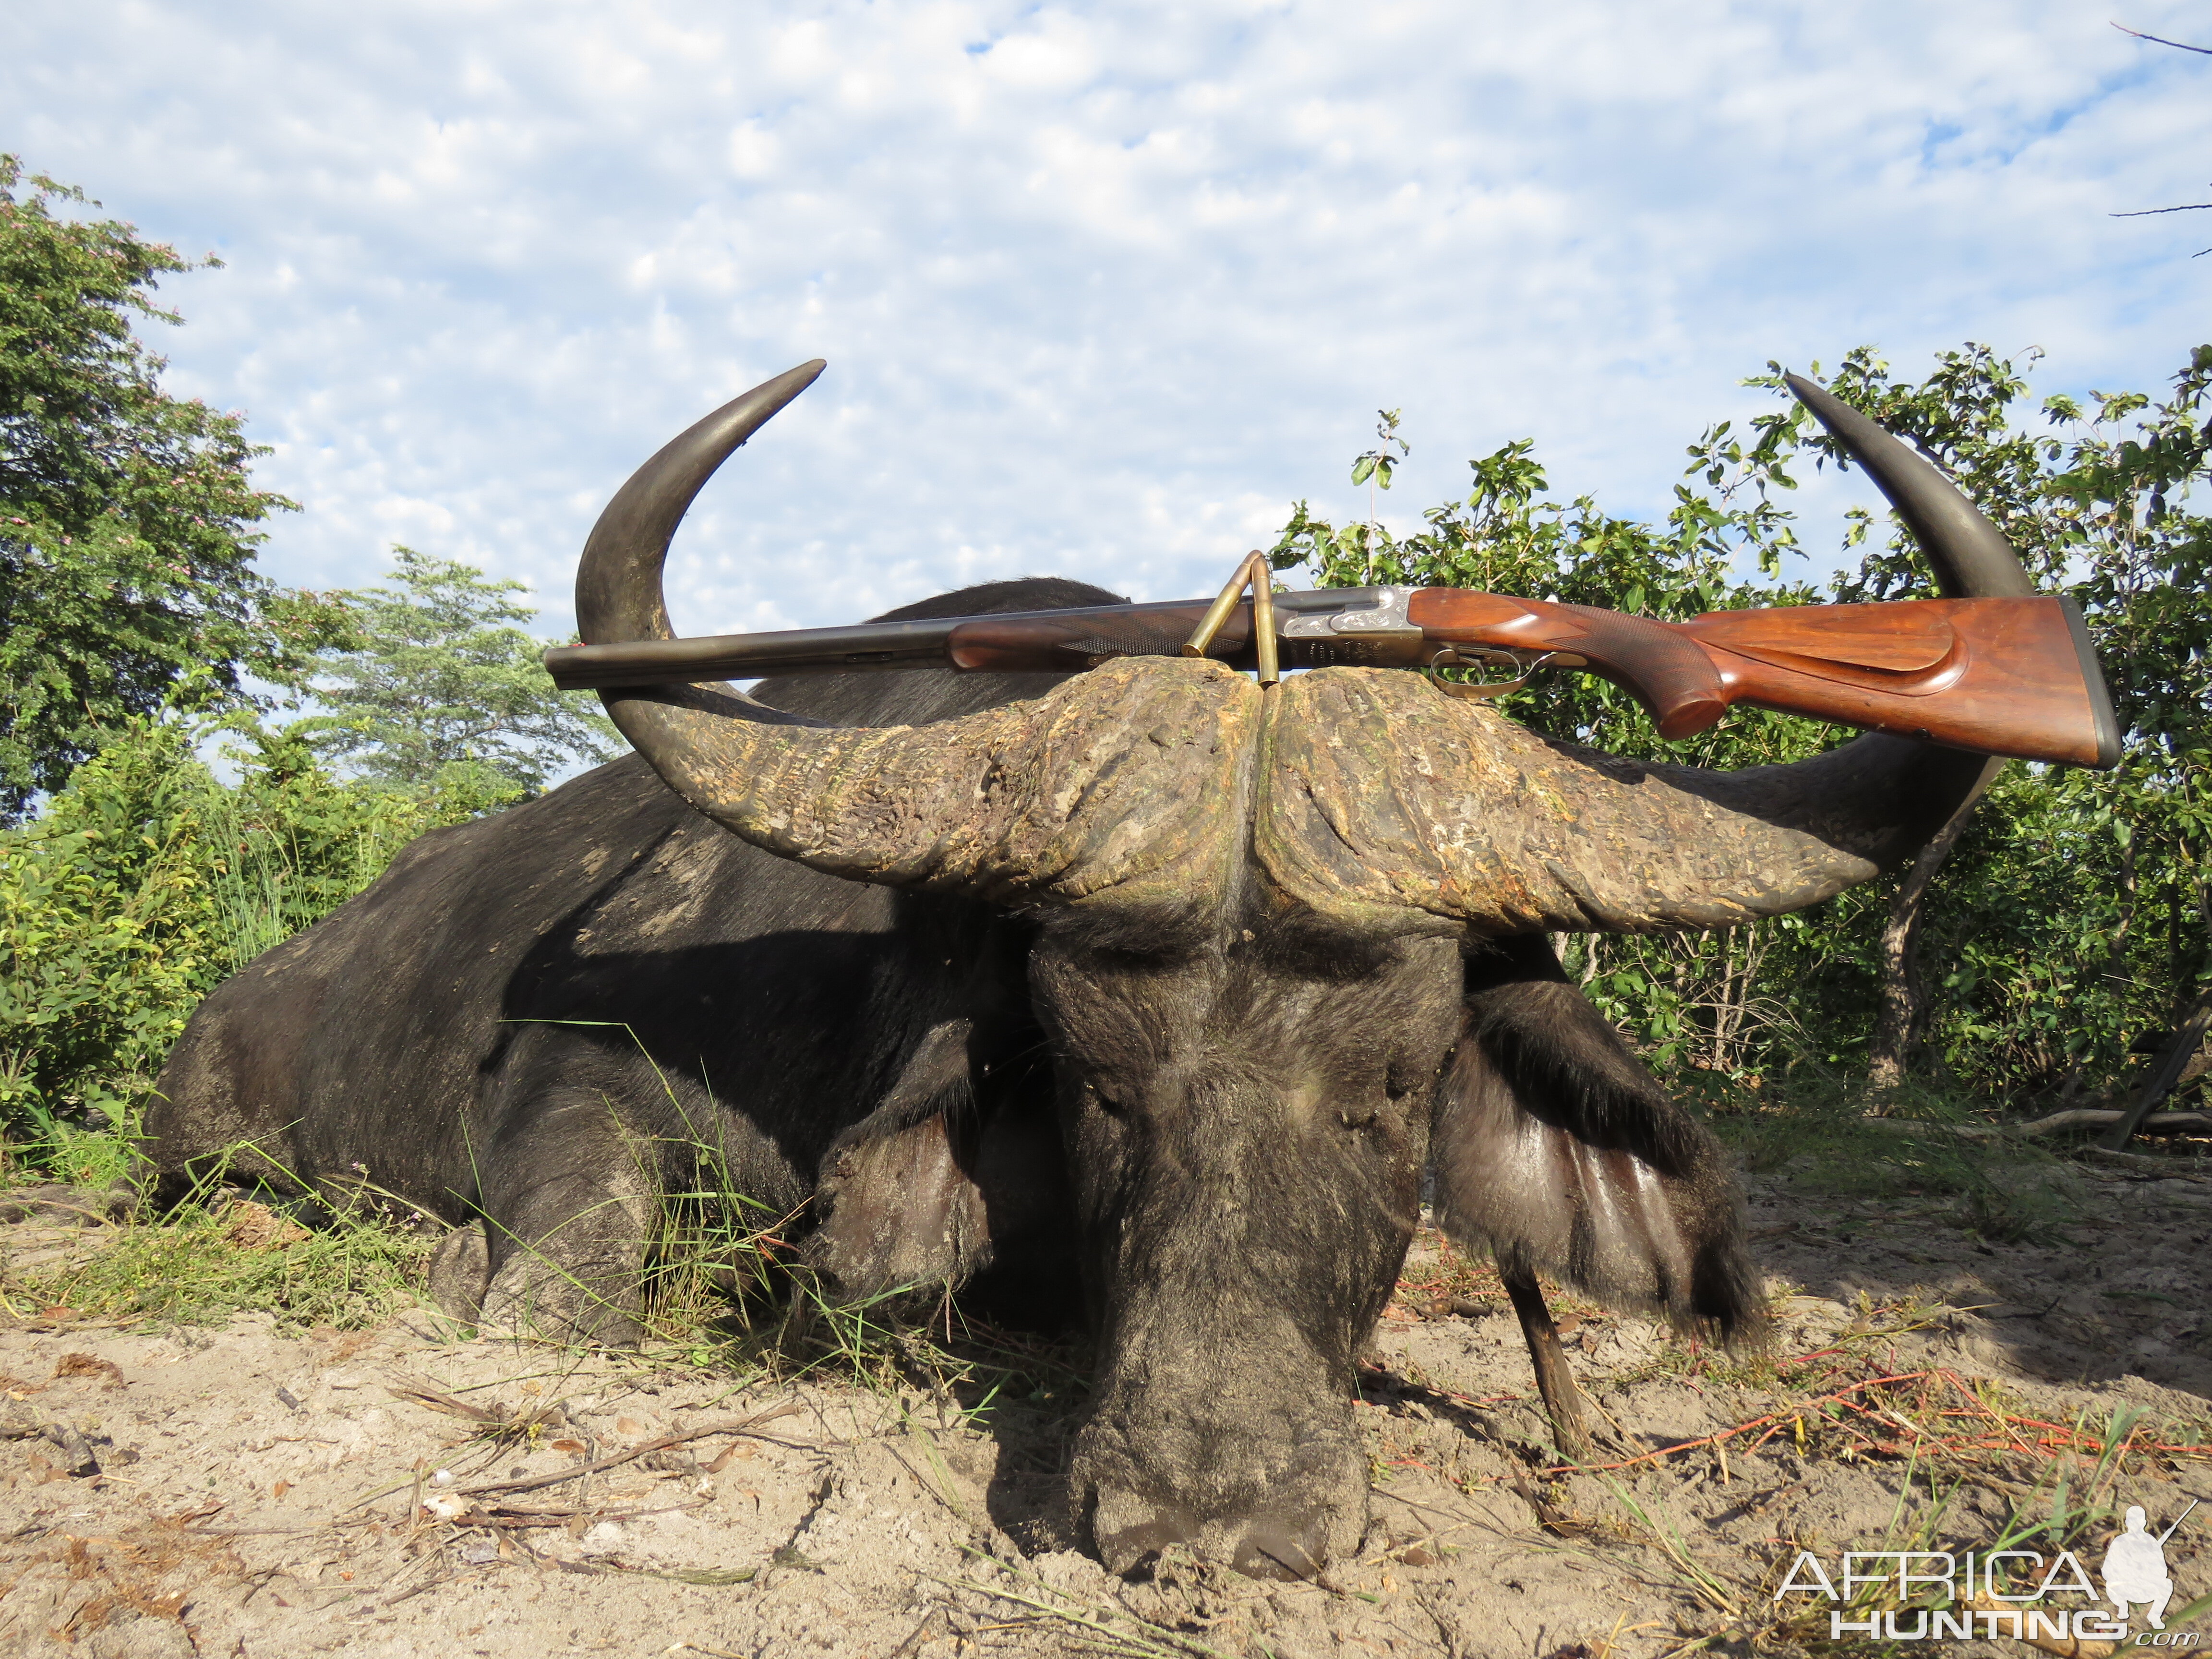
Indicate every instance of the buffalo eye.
{"type": "Point", "coordinates": [1399, 1081]}
{"type": "Point", "coordinates": [1358, 1120]}
{"type": "Point", "coordinates": [1104, 1101]}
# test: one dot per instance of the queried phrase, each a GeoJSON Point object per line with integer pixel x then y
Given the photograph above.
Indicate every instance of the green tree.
{"type": "Point", "coordinates": [2045, 935]}
{"type": "Point", "coordinates": [126, 515]}
{"type": "Point", "coordinates": [436, 679]}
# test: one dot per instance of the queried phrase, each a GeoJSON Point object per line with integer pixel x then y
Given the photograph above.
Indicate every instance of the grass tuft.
{"type": "Point", "coordinates": [207, 1260]}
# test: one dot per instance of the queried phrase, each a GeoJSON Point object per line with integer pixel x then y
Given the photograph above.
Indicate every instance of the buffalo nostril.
{"type": "Point", "coordinates": [1130, 1536]}
{"type": "Point", "coordinates": [1270, 1550]}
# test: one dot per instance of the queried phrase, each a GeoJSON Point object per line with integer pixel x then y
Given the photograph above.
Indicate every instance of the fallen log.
{"type": "Point", "coordinates": [2148, 1165]}
{"type": "Point", "coordinates": [2165, 1074]}
{"type": "Point", "coordinates": [2079, 1117]}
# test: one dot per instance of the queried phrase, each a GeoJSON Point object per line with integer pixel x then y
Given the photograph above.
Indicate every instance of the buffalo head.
{"type": "Point", "coordinates": [1288, 952]}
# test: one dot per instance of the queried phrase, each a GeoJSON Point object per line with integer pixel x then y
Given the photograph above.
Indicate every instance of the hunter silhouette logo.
{"type": "Point", "coordinates": [2135, 1568]}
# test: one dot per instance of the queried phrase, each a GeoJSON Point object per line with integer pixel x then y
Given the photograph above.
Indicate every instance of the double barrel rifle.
{"type": "Point", "coordinates": [2012, 676]}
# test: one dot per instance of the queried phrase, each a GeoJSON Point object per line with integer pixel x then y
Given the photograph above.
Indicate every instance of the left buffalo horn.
{"type": "Point", "coordinates": [1467, 816]}
{"type": "Point", "coordinates": [1108, 785]}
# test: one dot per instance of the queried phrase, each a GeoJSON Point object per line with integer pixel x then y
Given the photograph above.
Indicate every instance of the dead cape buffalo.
{"type": "Point", "coordinates": [1145, 979]}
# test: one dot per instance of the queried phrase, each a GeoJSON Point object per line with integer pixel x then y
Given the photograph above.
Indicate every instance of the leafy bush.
{"type": "Point", "coordinates": [146, 883]}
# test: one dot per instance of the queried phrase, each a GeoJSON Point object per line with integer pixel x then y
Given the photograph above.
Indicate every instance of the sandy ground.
{"type": "Point", "coordinates": [261, 1492]}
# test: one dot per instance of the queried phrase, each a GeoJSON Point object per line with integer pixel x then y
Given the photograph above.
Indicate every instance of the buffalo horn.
{"type": "Point", "coordinates": [1972, 558]}
{"type": "Point", "coordinates": [1465, 816]}
{"type": "Point", "coordinates": [1108, 785]}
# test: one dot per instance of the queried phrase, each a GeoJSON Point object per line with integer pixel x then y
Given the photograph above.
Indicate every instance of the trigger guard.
{"type": "Point", "coordinates": [1479, 691]}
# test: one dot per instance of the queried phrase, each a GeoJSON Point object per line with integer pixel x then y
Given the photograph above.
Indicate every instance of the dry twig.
{"type": "Point", "coordinates": [749, 1427]}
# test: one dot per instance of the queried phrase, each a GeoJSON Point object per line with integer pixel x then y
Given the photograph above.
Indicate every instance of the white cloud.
{"type": "Point", "coordinates": [1103, 288]}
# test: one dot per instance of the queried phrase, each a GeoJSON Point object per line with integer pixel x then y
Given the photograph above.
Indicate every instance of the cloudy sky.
{"type": "Point", "coordinates": [1101, 288]}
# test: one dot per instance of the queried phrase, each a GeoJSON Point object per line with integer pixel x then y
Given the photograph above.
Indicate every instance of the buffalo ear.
{"type": "Point", "coordinates": [935, 1185]}
{"type": "Point", "coordinates": [896, 1203]}
{"type": "Point", "coordinates": [897, 1209]}
{"type": "Point", "coordinates": [1559, 1152]}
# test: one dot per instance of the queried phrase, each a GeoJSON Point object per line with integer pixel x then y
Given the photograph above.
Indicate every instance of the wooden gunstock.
{"type": "Point", "coordinates": [2002, 677]}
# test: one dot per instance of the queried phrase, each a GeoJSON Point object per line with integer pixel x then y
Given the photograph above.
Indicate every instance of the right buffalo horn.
{"type": "Point", "coordinates": [1080, 794]}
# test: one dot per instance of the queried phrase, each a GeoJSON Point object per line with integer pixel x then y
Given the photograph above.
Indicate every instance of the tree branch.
{"type": "Point", "coordinates": [1898, 1010]}
{"type": "Point", "coordinates": [2177, 45]}
{"type": "Point", "coordinates": [2166, 1072]}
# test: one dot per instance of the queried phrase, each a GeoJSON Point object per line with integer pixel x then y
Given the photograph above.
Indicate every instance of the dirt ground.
{"type": "Point", "coordinates": [248, 1490]}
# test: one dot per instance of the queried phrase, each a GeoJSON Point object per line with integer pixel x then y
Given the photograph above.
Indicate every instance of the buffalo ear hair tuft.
{"type": "Point", "coordinates": [1557, 1152]}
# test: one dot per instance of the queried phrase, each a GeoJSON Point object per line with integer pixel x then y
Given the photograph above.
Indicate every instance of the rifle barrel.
{"type": "Point", "coordinates": [1084, 633]}
{"type": "Point", "coordinates": [2178, 1520]}
{"type": "Point", "coordinates": [751, 656]}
